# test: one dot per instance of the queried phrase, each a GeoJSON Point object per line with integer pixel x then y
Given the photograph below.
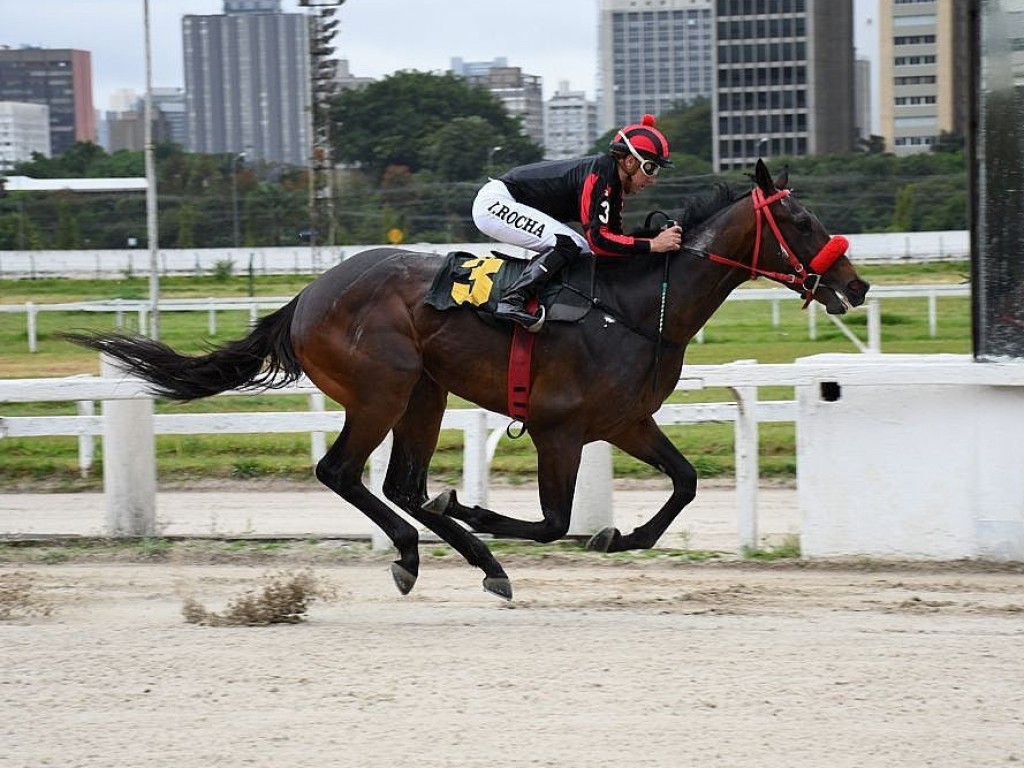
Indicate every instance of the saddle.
{"type": "Point", "coordinates": [477, 282]}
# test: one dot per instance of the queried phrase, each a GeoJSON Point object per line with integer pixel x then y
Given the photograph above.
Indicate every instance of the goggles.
{"type": "Point", "coordinates": [649, 167]}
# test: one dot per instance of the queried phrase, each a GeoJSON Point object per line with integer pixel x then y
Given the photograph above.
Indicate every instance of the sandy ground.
{"type": "Point", "coordinates": [595, 663]}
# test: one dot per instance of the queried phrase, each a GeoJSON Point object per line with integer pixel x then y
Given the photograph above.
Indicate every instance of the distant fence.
{"type": "Point", "coordinates": [884, 248]}
{"type": "Point", "coordinates": [254, 305]}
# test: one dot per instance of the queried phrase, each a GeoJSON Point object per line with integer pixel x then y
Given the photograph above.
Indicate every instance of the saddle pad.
{"type": "Point", "coordinates": [479, 281]}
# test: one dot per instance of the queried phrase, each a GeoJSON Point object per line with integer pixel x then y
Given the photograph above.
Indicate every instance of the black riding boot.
{"type": "Point", "coordinates": [512, 304]}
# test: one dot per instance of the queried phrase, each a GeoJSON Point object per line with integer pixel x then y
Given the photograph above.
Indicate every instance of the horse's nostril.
{"type": "Point", "coordinates": [855, 291]}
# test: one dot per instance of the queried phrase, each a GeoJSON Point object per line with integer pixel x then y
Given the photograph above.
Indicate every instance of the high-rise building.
{"type": "Point", "coordinates": [785, 80]}
{"type": "Point", "coordinates": [59, 78]}
{"type": "Point", "coordinates": [654, 55]}
{"type": "Point", "coordinates": [522, 94]}
{"type": "Point", "coordinates": [570, 124]}
{"type": "Point", "coordinates": [24, 129]}
{"type": "Point", "coordinates": [923, 72]}
{"type": "Point", "coordinates": [124, 125]}
{"type": "Point", "coordinates": [862, 98]}
{"type": "Point", "coordinates": [247, 82]}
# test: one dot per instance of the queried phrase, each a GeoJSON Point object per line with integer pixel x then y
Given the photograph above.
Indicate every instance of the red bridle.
{"type": "Point", "coordinates": [806, 281]}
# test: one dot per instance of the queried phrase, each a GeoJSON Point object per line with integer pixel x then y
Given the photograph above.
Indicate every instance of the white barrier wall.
{"type": "Point", "coordinates": [880, 248]}
{"type": "Point", "coordinates": [927, 470]}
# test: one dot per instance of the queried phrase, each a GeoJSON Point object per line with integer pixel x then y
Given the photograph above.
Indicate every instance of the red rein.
{"type": "Point", "coordinates": [807, 278]}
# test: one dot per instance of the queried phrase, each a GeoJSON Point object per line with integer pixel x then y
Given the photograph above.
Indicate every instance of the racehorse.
{"type": "Point", "coordinates": [363, 335]}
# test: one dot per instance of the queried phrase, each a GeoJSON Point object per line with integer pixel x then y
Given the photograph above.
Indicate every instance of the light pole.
{"type": "Point", "coordinates": [152, 230]}
{"type": "Point", "coordinates": [234, 197]}
{"type": "Point", "coordinates": [762, 146]}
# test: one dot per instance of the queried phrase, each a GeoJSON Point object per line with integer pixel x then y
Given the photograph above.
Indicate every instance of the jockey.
{"type": "Point", "coordinates": [530, 206]}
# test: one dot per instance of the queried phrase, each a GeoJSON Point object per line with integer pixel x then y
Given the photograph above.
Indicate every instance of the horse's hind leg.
{"type": "Point", "coordinates": [415, 439]}
{"type": "Point", "coordinates": [646, 441]}
{"type": "Point", "coordinates": [341, 470]}
{"type": "Point", "coordinates": [558, 461]}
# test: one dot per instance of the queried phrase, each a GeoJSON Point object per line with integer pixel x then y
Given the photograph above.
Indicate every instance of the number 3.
{"type": "Point", "coordinates": [603, 215]}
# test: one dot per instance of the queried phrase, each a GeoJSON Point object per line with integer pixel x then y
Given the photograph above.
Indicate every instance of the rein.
{"type": "Point", "coordinates": [806, 282]}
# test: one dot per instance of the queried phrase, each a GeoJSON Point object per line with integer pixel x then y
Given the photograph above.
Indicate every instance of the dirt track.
{"type": "Point", "coordinates": [646, 664]}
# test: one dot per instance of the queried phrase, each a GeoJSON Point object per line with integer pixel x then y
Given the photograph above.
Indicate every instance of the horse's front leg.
{"type": "Point", "coordinates": [646, 441]}
{"type": "Point", "coordinates": [558, 461]}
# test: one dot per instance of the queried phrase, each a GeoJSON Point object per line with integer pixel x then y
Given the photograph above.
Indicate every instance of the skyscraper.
{"type": "Point", "coordinates": [654, 55]}
{"type": "Point", "coordinates": [521, 94]}
{"type": "Point", "coordinates": [570, 124]}
{"type": "Point", "coordinates": [59, 78]}
{"type": "Point", "coordinates": [923, 72]}
{"type": "Point", "coordinates": [247, 82]}
{"type": "Point", "coordinates": [785, 79]}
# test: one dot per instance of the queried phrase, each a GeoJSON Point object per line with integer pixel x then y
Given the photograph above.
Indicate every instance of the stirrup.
{"type": "Point", "coordinates": [522, 318]}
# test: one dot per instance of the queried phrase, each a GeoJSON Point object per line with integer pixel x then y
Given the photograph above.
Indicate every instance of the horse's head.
{"type": "Point", "coordinates": [792, 247]}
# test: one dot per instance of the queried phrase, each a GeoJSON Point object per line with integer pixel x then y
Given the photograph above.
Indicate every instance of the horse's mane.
{"type": "Point", "coordinates": [697, 208]}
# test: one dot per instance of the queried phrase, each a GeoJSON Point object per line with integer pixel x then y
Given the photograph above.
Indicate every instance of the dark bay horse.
{"type": "Point", "coordinates": [362, 333]}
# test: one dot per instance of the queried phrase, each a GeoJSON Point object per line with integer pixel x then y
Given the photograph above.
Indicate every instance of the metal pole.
{"type": "Point", "coordinates": [234, 198]}
{"type": "Point", "coordinates": [151, 224]}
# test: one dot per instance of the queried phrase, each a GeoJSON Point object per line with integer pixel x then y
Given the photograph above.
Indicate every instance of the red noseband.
{"type": "Point", "coordinates": [832, 250]}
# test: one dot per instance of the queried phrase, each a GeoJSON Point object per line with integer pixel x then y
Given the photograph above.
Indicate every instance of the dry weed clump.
{"type": "Point", "coordinates": [20, 598]}
{"type": "Point", "coordinates": [284, 599]}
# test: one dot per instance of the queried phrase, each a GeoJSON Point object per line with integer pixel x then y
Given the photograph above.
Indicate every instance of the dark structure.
{"type": "Point", "coordinates": [61, 78]}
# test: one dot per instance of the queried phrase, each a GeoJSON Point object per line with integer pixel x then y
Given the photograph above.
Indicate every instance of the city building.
{"type": "Point", "coordinates": [521, 94]}
{"type": "Point", "coordinates": [247, 82]}
{"type": "Point", "coordinates": [24, 129]}
{"type": "Point", "coordinates": [785, 80]}
{"type": "Point", "coordinates": [61, 79]}
{"type": "Point", "coordinates": [123, 126]}
{"type": "Point", "coordinates": [862, 112]}
{"type": "Point", "coordinates": [346, 81]}
{"type": "Point", "coordinates": [570, 124]}
{"type": "Point", "coordinates": [654, 55]}
{"type": "Point", "coordinates": [923, 72]}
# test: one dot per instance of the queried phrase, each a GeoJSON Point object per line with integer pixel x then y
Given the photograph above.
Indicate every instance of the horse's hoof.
{"type": "Point", "coordinates": [440, 504]}
{"type": "Point", "coordinates": [404, 580]}
{"type": "Point", "coordinates": [499, 586]}
{"type": "Point", "coordinates": [602, 540]}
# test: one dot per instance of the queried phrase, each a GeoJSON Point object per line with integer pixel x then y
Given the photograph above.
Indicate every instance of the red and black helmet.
{"type": "Point", "coordinates": [643, 141]}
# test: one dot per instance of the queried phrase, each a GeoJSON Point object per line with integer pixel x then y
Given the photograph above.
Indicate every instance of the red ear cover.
{"type": "Point", "coordinates": [832, 250]}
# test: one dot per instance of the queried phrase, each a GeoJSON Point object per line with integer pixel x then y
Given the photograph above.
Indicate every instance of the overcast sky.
{"type": "Point", "coordinates": [556, 39]}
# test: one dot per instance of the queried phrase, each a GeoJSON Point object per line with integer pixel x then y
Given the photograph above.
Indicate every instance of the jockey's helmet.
{"type": "Point", "coordinates": [644, 142]}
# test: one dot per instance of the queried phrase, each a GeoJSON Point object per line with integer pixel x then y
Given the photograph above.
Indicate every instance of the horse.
{"type": "Point", "coordinates": [363, 334]}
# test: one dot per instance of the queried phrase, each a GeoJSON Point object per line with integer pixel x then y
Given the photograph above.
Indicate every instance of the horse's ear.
{"type": "Point", "coordinates": [763, 178]}
{"type": "Point", "coordinates": [782, 180]}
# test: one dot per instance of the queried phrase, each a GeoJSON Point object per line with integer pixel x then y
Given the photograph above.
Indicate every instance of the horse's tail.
{"type": "Point", "coordinates": [264, 358]}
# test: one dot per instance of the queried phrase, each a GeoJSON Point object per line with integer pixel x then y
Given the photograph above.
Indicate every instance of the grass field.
{"type": "Point", "coordinates": [740, 330]}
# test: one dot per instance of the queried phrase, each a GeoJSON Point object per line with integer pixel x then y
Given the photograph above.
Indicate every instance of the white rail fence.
{"type": "Point", "coordinates": [121, 308]}
{"type": "Point", "coordinates": [989, 393]}
{"type": "Point", "coordinates": [128, 426]}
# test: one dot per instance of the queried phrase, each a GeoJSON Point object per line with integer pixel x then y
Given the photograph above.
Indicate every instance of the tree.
{"type": "Point", "coordinates": [404, 118]}
{"type": "Point", "coordinates": [949, 142]}
{"type": "Point", "coordinates": [872, 145]}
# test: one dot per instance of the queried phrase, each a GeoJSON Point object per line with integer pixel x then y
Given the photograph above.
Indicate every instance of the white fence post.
{"type": "Point", "coordinates": [592, 503]}
{"type": "Point", "coordinates": [378, 471]}
{"type": "Point", "coordinates": [86, 442]}
{"type": "Point", "coordinates": [30, 317]}
{"type": "Point", "coordinates": [475, 463]}
{"type": "Point", "coordinates": [874, 327]}
{"type": "Point", "coordinates": [129, 462]}
{"type": "Point", "coordinates": [747, 460]}
{"type": "Point", "coordinates": [317, 440]}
